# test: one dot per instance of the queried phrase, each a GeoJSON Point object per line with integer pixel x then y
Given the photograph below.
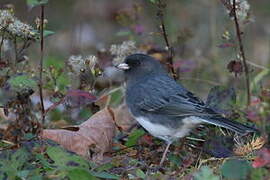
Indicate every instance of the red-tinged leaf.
{"type": "Point", "coordinates": [255, 101]}
{"type": "Point", "coordinates": [80, 93]}
{"type": "Point", "coordinates": [74, 98]}
{"type": "Point", "coordinates": [185, 65]}
{"type": "Point", "coordinates": [262, 159]}
{"type": "Point", "coordinates": [147, 139]}
{"type": "Point", "coordinates": [78, 98]}
{"type": "Point", "coordinates": [177, 64]}
{"type": "Point", "coordinates": [3, 64]}
{"type": "Point", "coordinates": [226, 45]}
{"type": "Point", "coordinates": [253, 115]}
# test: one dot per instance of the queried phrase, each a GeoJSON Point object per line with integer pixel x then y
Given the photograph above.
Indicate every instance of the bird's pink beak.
{"type": "Point", "coordinates": [123, 66]}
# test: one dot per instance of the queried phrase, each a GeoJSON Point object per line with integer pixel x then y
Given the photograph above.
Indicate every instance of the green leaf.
{"type": "Point", "coordinates": [140, 174]}
{"type": "Point", "coordinates": [123, 33]}
{"type": "Point", "coordinates": [55, 62]}
{"type": "Point", "coordinates": [47, 33]}
{"type": "Point", "coordinates": [258, 78]}
{"type": "Point", "coordinates": [134, 136]}
{"type": "Point", "coordinates": [23, 174]}
{"type": "Point", "coordinates": [205, 173]}
{"type": "Point", "coordinates": [22, 82]}
{"type": "Point", "coordinates": [104, 167]}
{"type": "Point", "coordinates": [81, 174]}
{"type": "Point", "coordinates": [34, 3]}
{"type": "Point", "coordinates": [29, 136]}
{"type": "Point", "coordinates": [116, 98]}
{"type": "Point", "coordinates": [44, 161]}
{"type": "Point", "coordinates": [235, 169]}
{"type": "Point", "coordinates": [12, 163]}
{"type": "Point", "coordinates": [66, 160]}
{"type": "Point", "coordinates": [153, 1]}
{"type": "Point", "coordinates": [258, 173]}
{"type": "Point", "coordinates": [37, 177]}
{"type": "Point", "coordinates": [105, 175]}
{"type": "Point", "coordinates": [175, 159]}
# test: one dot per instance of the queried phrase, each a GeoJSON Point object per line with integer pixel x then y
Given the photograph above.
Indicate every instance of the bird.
{"type": "Point", "coordinates": [165, 108]}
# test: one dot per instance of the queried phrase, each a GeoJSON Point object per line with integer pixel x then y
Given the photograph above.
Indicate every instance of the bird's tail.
{"type": "Point", "coordinates": [231, 125]}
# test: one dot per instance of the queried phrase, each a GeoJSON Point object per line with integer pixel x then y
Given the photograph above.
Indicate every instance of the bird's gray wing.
{"type": "Point", "coordinates": [162, 95]}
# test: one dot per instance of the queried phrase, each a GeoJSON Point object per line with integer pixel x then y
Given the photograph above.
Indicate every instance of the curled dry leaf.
{"type": "Point", "coordinates": [94, 135]}
{"type": "Point", "coordinates": [123, 118]}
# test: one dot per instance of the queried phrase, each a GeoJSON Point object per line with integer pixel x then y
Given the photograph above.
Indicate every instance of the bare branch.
{"type": "Point", "coordinates": [41, 63]}
{"type": "Point", "coordinates": [160, 15]}
{"type": "Point", "coordinates": [242, 52]}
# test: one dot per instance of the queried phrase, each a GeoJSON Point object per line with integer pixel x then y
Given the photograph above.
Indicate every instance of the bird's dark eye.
{"type": "Point", "coordinates": [134, 63]}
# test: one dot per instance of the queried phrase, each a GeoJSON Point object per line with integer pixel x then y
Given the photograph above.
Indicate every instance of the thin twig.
{"type": "Point", "coordinates": [239, 33]}
{"type": "Point", "coordinates": [15, 49]}
{"type": "Point", "coordinates": [55, 105]}
{"type": "Point", "coordinates": [160, 14]}
{"type": "Point", "coordinates": [1, 44]}
{"type": "Point", "coordinates": [257, 65]}
{"type": "Point", "coordinates": [26, 44]}
{"type": "Point", "coordinates": [41, 63]}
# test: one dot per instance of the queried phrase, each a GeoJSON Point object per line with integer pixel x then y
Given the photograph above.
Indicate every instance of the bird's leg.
{"type": "Point", "coordinates": [165, 153]}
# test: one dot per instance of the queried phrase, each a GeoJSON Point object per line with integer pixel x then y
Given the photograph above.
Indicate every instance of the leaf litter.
{"type": "Point", "coordinates": [95, 134]}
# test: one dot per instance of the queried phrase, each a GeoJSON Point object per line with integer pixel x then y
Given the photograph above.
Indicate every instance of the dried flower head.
{"type": "Point", "coordinates": [79, 64]}
{"type": "Point", "coordinates": [255, 144]}
{"type": "Point", "coordinates": [10, 24]}
{"type": "Point", "coordinates": [122, 50]}
{"type": "Point", "coordinates": [90, 61]}
{"type": "Point", "coordinates": [38, 22]}
{"type": "Point", "coordinates": [242, 8]}
{"type": "Point", "coordinates": [235, 67]}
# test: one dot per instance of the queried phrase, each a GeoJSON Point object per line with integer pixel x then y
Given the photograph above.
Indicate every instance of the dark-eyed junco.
{"type": "Point", "coordinates": [163, 107]}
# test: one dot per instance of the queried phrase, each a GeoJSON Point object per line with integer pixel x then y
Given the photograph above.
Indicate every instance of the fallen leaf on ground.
{"type": "Point", "coordinates": [94, 135]}
{"type": "Point", "coordinates": [123, 118]}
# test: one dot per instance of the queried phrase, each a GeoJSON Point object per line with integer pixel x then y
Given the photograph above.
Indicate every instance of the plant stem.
{"type": "Point", "coordinates": [41, 64]}
{"type": "Point", "coordinates": [238, 32]}
{"type": "Point", "coordinates": [160, 14]}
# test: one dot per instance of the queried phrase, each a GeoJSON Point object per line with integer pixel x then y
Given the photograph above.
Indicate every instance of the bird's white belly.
{"type": "Point", "coordinates": [164, 132]}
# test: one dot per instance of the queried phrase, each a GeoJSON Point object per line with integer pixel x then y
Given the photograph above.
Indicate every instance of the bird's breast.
{"type": "Point", "coordinates": [169, 133]}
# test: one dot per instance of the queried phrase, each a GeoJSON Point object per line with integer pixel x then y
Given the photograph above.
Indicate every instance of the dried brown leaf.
{"type": "Point", "coordinates": [95, 134]}
{"type": "Point", "coordinates": [123, 118]}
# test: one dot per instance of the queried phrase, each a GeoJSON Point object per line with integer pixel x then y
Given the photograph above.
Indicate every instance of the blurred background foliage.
{"type": "Point", "coordinates": [195, 29]}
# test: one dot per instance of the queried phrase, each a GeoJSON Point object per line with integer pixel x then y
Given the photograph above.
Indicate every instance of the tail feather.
{"type": "Point", "coordinates": [231, 125]}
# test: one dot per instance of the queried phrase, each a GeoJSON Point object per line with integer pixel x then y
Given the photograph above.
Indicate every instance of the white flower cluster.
{"type": "Point", "coordinates": [122, 50]}
{"type": "Point", "coordinates": [242, 9]}
{"type": "Point", "coordinates": [79, 63]}
{"type": "Point", "coordinates": [9, 23]}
